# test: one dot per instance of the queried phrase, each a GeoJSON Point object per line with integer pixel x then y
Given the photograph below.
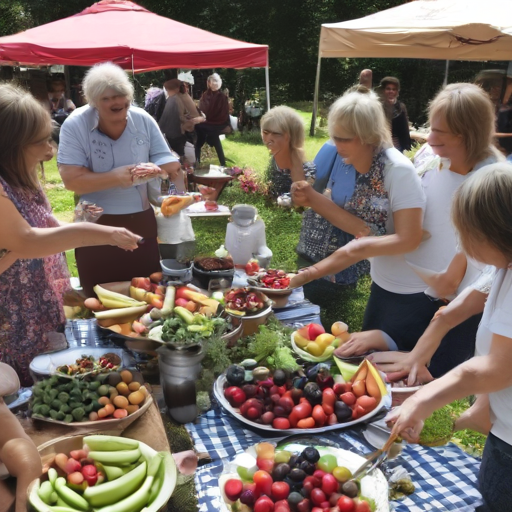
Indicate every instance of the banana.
{"type": "Point", "coordinates": [115, 304]}
{"type": "Point", "coordinates": [101, 443]}
{"type": "Point", "coordinates": [113, 472]}
{"type": "Point", "coordinates": [70, 497]}
{"type": "Point", "coordinates": [116, 490]}
{"type": "Point", "coordinates": [139, 499]}
{"type": "Point", "coordinates": [114, 458]}
{"type": "Point", "coordinates": [102, 294]}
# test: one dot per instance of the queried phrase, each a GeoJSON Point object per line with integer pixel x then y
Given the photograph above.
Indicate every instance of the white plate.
{"type": "Point", "coordinates": [374, 486]}
{"type": "Point", "coordinates": [65, 444]}
{"type": "Point", "coordinates": [47, 364]}
{"type": "Point", "coordinates": [218, 391]}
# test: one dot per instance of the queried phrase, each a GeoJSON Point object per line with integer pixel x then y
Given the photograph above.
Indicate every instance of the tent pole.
{"type": "Point", "coordinates": [445, 81]}
{"type": "Point", "coordinates": [267, 86]}
{"type": "Point", "coordinates": [315, 98]}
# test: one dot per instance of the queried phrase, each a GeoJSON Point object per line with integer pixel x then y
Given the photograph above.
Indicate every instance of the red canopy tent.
{"type": "Point", "coordinates": [131, 36]}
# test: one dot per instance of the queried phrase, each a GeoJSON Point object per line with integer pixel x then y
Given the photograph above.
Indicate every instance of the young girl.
{"type": "Point", "coordinates": [481, 212]}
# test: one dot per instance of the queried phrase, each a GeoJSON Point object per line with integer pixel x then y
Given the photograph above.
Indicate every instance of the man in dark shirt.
{"type": "Point", "coordinates": [170, 120]}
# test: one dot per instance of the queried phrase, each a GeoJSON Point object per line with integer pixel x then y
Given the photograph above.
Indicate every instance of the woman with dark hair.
{"type": "Point", "coordinates": [396, 113]}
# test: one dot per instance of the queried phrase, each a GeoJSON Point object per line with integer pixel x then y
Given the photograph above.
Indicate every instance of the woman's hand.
{"type": "Point", "coordinates": [303, 277]}
{"type": "Point", "coordinates": [361, 343]}
{"type": "Point", "coordinates": [123, 175]}
{"type": "Point", "coordinates": [398, 365]}
{"type": "Point", "coordinates": [302, 192]}
{"type": "Point", "coordinates": [125, 239]}
{"type": "Point", "coordinates": [408, 419]}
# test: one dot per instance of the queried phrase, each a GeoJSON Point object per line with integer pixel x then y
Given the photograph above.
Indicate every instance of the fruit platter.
{"type": "Point", "coordinates": [101, 472]}
{"type": "Point", "coordinates": [106, 399]}
{"type": "Point", "coordinates": [307, 401]}
{"type": "Point", "coordinates": [312, 343]}
{"type": "Point", "coordinates": [79, 362]}
{"type": "Point", "coordinates": [300, 477]}
{"type": "Point", "coordinates": [271, 281]}
{"type": "Point", "coordinates": [159, 314]}
{"type": "Point", "coordinates": [241, 302]}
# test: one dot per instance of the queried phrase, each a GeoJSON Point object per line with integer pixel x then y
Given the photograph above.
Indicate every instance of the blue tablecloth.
{"type": "Point", "coordinates": [445, 478]}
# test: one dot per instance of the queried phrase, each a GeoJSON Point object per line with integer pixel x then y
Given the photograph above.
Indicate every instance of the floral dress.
{"type": "Point", "coordinates": [280, 180]}
{"type": "Point", "coordinates": [31, 290]}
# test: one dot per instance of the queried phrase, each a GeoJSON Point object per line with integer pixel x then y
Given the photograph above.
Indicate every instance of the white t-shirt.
{"type": "Point", "coordinates": [497, 319]}
{"type": "Point", "coordinates": [435, 254]}
{"type": "Point", "coordinates": [404, 191]}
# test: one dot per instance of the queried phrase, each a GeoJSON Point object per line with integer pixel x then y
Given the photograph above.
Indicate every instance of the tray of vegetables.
{"type": "Point", "coordinates": [178, 316]}
{"type": "Point", "coordinates": [118, 397]}
{"type": "Point", "coordinates": [303, 402]}
{"type": "Point", "coordinates": [300, 476]}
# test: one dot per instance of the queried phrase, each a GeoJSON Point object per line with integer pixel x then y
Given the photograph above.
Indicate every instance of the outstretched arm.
{"type": "Point", "coordinates": [406, 238]}
{"type": "Point", "coordinates": [399, 364]}
{"type": "Point", "coordinates": [25, 241]}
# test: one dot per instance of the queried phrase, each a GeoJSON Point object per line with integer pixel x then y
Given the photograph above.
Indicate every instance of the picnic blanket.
{"type": "Point", "coordinates": [445, 477]}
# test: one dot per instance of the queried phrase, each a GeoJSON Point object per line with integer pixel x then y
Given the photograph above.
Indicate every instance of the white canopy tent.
{"type": "Point", "coordinates": [422, 29]}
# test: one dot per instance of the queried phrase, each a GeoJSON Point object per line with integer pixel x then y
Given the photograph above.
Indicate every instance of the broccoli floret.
{"type": "Point", "coordinates": [75, 394]}
{"type": "Point", "coordinates": [65, 408]}
{"type": "Point", "coordinates": [44, 410]}
{"type": "Point", "coordinates": [53, 381]}
{"type": "Point", "coordinates": [53, 414]}
{"type": "Point", "coordinates": [60, 416]}
{"type": "Point", "coordinates": [203, 401]}
{"type": "Point", "coordinates": [90, 395]}
{"type": "Point", "coordinates": [37, 401]}
{"type": "Point", "coordinates": [94, 385]}
{"type": "Point", "coordinates": [78, 413]}
{"type": "Point", "coordinates": [36, 409]}
{"type": "Point", "coordinates": [68, 418]}
{"type": "Point", "coordinates": [37, 391]}
{"type": "Point", "coordinates": [88, 408]}
{"type": "Point", "coordinates": [74, 404]}
{"type": "Point", "coordinates": [63, 397]}
{"type": "Point", "coordinates": [56, 404]}
{"type": "Point", "coordinates": [82, 384]}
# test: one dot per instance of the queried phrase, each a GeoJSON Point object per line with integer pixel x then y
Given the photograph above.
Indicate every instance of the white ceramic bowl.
{"type": "Point", "coordinates": [68, 443]}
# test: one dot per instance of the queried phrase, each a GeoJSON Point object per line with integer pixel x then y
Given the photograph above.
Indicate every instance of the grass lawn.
{"type": "Point", "coordinates": [282, 230]}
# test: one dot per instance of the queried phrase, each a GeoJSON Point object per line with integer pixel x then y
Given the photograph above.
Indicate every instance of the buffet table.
{"type": "Point", "coordinates": [445, 478]}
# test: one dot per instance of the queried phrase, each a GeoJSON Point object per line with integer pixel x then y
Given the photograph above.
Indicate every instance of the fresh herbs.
{"type": "Point", "coordinates": [438, 428]}
{"type": "Point", "coordinates": [177, 330]}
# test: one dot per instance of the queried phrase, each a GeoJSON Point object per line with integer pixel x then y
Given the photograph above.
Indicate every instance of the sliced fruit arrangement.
{"type": "Point", "coordinates": [282, 481]}
{"type": "Point", "coordinates": [109, 396]}
{"type": "Point", "coordinates": [307, 400]}
{"type": "Point", "coordinates": [243, 301]}
{"type": "Point", "coordinates": [109, 474]}
{"type": "Point", "coordinates": [311, 342]}
{"type": "Point", "coordinates": [274, 279]}
{"type": "Point", "coordinates": [88, 364]}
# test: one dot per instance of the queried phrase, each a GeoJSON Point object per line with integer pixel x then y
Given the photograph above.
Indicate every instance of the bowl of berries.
{"type": "Point", "coordinates": [300, 477]}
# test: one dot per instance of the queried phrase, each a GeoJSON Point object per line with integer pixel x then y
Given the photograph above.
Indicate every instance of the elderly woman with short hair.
{"type": "Point", "coordinates": [282, 131]}
{"type": "Point", "coordinates": [101, 143]}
